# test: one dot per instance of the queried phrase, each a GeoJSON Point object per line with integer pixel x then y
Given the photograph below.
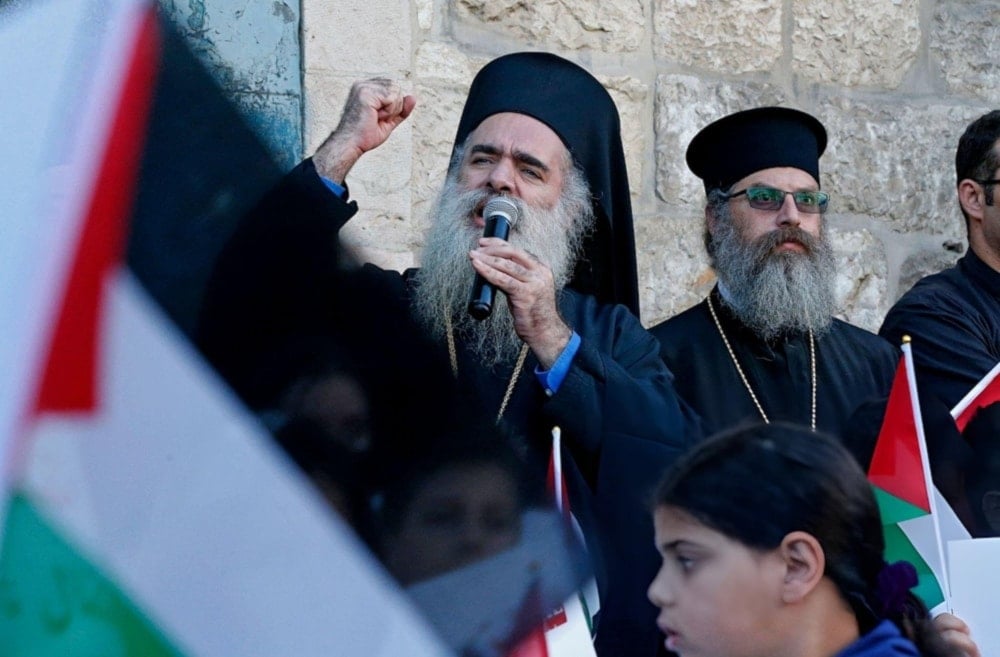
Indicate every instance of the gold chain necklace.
{"type": "Point", "coordinates": [515, 375]}
{"type": "Point", "coordinates": [743, 377]}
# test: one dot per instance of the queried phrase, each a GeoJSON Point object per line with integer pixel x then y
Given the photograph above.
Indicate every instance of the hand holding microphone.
{"type": "Point", "coordinates": [500, 214]}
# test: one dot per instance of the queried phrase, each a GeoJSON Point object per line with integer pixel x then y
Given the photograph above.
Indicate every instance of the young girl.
{"type": "Point", "coordinates": [772, 546]}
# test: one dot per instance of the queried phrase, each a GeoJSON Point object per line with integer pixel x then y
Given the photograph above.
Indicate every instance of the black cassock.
{"type": "Point", "coordinates": [279, 282]}
{"type": "Point", "coordinates": [953, 318]}
{"type": "Point", "coordinates": [852, 366]}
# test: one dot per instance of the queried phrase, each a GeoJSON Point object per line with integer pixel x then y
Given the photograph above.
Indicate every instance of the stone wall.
{"type": "Point", "coordinates": [252, 50]}
{"type": "Point", "coordinates": [894, 81]}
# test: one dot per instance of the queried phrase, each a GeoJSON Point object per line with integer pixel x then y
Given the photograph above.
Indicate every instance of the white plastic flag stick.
{"type": "Point", "coordinates": [557, 477]}
{"type": "Point", "coordinates": [975, 392]}
{"type": "Point", "coordinates": [926, 466]}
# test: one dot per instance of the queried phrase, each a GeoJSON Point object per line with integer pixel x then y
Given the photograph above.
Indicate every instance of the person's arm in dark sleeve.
{"type": "Point", "coordinates": [618, 390]}
{"type": "Point", "coordinates": [276, 277]}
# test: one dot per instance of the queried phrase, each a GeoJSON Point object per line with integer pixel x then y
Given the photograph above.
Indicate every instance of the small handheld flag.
{"type": "Point", "coordinates": [982, 394]}
{"type": "Point", "coordinates": [900, 474]}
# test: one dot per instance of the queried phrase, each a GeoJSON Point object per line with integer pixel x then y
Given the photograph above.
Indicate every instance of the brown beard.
{"type": "Point", "coordinates": [444, 282]}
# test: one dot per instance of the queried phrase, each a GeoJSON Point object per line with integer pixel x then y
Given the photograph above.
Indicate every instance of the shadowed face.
{"type": "Point", "coordinates": [990, 226]}
{"type": "Point", "coordinates": [459, 515]}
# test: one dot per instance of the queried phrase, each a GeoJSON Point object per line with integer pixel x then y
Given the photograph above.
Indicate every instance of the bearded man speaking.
{"type": "Point", "coordinates": [764, 345]}
{"type": "Point", "coordinates": [562, 346]}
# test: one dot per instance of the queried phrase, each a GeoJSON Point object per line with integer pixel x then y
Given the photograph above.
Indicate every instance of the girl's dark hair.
{"type": "Point", "coordinates": [756, 484]}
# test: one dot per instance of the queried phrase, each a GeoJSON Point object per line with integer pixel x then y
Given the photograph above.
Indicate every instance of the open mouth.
{"type": "Point", "coordinates": [477, 214]}
{"type": "Point", "coordinates": [672, 640]}
{"type": "Point", "coordinates": [671, 636]}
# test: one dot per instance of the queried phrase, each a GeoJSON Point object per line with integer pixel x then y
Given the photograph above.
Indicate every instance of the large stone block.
{"type": "Point", "coordinates": [894, 162]}
{"type": "Point", "coordinates": [674, 273]}
{"type": "Point", "coordinates": [252, 52]}
{"type": "Point", "coordinates": [357, 37]}
{"type": "Point", "coordinates": [323, 104]}
{"type": "Point", "coordinates": [599, 25]}
{"type": "Point", "coordinates": [862, 273]}
{"type": "Point", "coordinates": [725, 37]}
{"type": "Point", "coordinates": [425, 13]}
{"type": "Point", "coordinates": [435, 129]}
{"type": "Point", "coordinates": [443, 75]}
{"type": "Point", "coordinates": [855, 42]}
{"type": "Point", "coordinates": [964, 42]}
{"type": "Point", "coordinates": [926, 262]}
{"type": "Point", "coordinates": [684, 105]}
{"type": "Point", "coordinates": [630, 95]}
{"type": "Point", "coordinates": [379, 182]}
{"type": "Point", "coordinates": [443, 62]}
{"type": "Point", "coordinates": [245, 46]}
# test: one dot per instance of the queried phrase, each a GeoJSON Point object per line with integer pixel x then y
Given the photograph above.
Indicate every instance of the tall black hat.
{"type": "Point", "coordinates": [569, 100]}
{"type": "Point", "coordinates": [739, 144]}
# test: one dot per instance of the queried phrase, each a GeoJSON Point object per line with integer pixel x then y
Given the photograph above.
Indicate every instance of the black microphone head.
{"type": "Point", "coordinates": [503, 206]}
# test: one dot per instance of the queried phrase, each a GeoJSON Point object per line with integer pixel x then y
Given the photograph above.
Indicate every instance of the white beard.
{"type": "Point", "coordinates": [444, 281]}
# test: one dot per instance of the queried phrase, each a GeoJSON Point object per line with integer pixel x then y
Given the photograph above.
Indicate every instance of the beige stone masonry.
{"type": "Point", "coordinates": [965, 42]}
{"type": "Point", "coordinates": [615, 26]}
{"type": "Point", "coordinates": [721, 37]}
{"type": "Point", "coordinates": [885, 36]}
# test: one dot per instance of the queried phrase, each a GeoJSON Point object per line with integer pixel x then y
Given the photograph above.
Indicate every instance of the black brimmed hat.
{"type": "Point", "coordinates": [568, 99]}
{"type": "Point", "coordinates": [739, 144]}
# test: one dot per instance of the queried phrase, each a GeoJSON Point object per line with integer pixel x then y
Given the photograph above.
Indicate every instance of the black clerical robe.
{"type": "Point", "coordinates": [953, 318]}
{"type": "Point", "coordinates": [622, 423]}
{"type": "Point", "coordinates": [852, 366]}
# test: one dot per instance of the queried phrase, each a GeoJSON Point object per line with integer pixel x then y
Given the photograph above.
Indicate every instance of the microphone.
{"type": "Point", "coordinates": [500, 213]}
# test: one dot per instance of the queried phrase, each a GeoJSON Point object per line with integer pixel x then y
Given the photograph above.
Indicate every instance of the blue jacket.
{"type": "Point", "coordinates": [884, 641]}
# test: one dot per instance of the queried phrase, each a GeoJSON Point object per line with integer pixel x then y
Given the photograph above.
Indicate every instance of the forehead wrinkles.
{"type": "Point", "coordinates": [565, 157]}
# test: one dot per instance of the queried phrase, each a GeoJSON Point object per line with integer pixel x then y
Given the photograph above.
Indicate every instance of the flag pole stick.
{"type": "Point", "coordinates": [926, 464]}
{"type": "Point", "coordinates": [557, 467]}
{"type": "Point", "coordinates": [976, 390]}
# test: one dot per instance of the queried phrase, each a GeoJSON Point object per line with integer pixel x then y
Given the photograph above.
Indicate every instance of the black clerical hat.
{"type": "Point", "coordinates": [739, 144]}
{"type": "Point", "coordinates": [580, 111]}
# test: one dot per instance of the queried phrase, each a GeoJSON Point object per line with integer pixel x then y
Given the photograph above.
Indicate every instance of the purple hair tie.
{"type": "Point", "coordinates": [894, 583]}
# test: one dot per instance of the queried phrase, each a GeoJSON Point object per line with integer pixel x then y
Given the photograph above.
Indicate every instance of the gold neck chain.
{"type": "Point", "coordinates": [515, 375]}
{"type": "Point", "coordinates": [743, 377]}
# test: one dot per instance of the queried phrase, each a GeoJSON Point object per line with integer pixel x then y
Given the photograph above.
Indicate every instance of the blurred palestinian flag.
{"type": "Point", "coordinates": [144, 512]}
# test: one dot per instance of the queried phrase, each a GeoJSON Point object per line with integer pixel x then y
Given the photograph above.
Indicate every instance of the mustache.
{"type": "Point", "coordinates": [767, 242]}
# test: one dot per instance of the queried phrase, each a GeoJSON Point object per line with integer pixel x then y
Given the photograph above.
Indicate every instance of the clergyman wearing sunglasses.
{"type": "Point", "coordinates": [765, 346]}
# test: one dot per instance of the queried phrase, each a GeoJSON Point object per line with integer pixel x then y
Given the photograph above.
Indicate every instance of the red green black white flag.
{"type": "Point", "coordinates": [908, 501]}
{"type": "Point", "coordinates": [144, 512]}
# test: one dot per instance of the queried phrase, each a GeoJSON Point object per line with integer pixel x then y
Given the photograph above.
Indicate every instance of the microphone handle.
{"type": "Point", "coordinates": [484, 292]}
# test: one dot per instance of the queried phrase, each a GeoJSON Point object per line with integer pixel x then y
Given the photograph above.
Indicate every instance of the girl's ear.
{"type": "Point", "coordinates": [804, 564]}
